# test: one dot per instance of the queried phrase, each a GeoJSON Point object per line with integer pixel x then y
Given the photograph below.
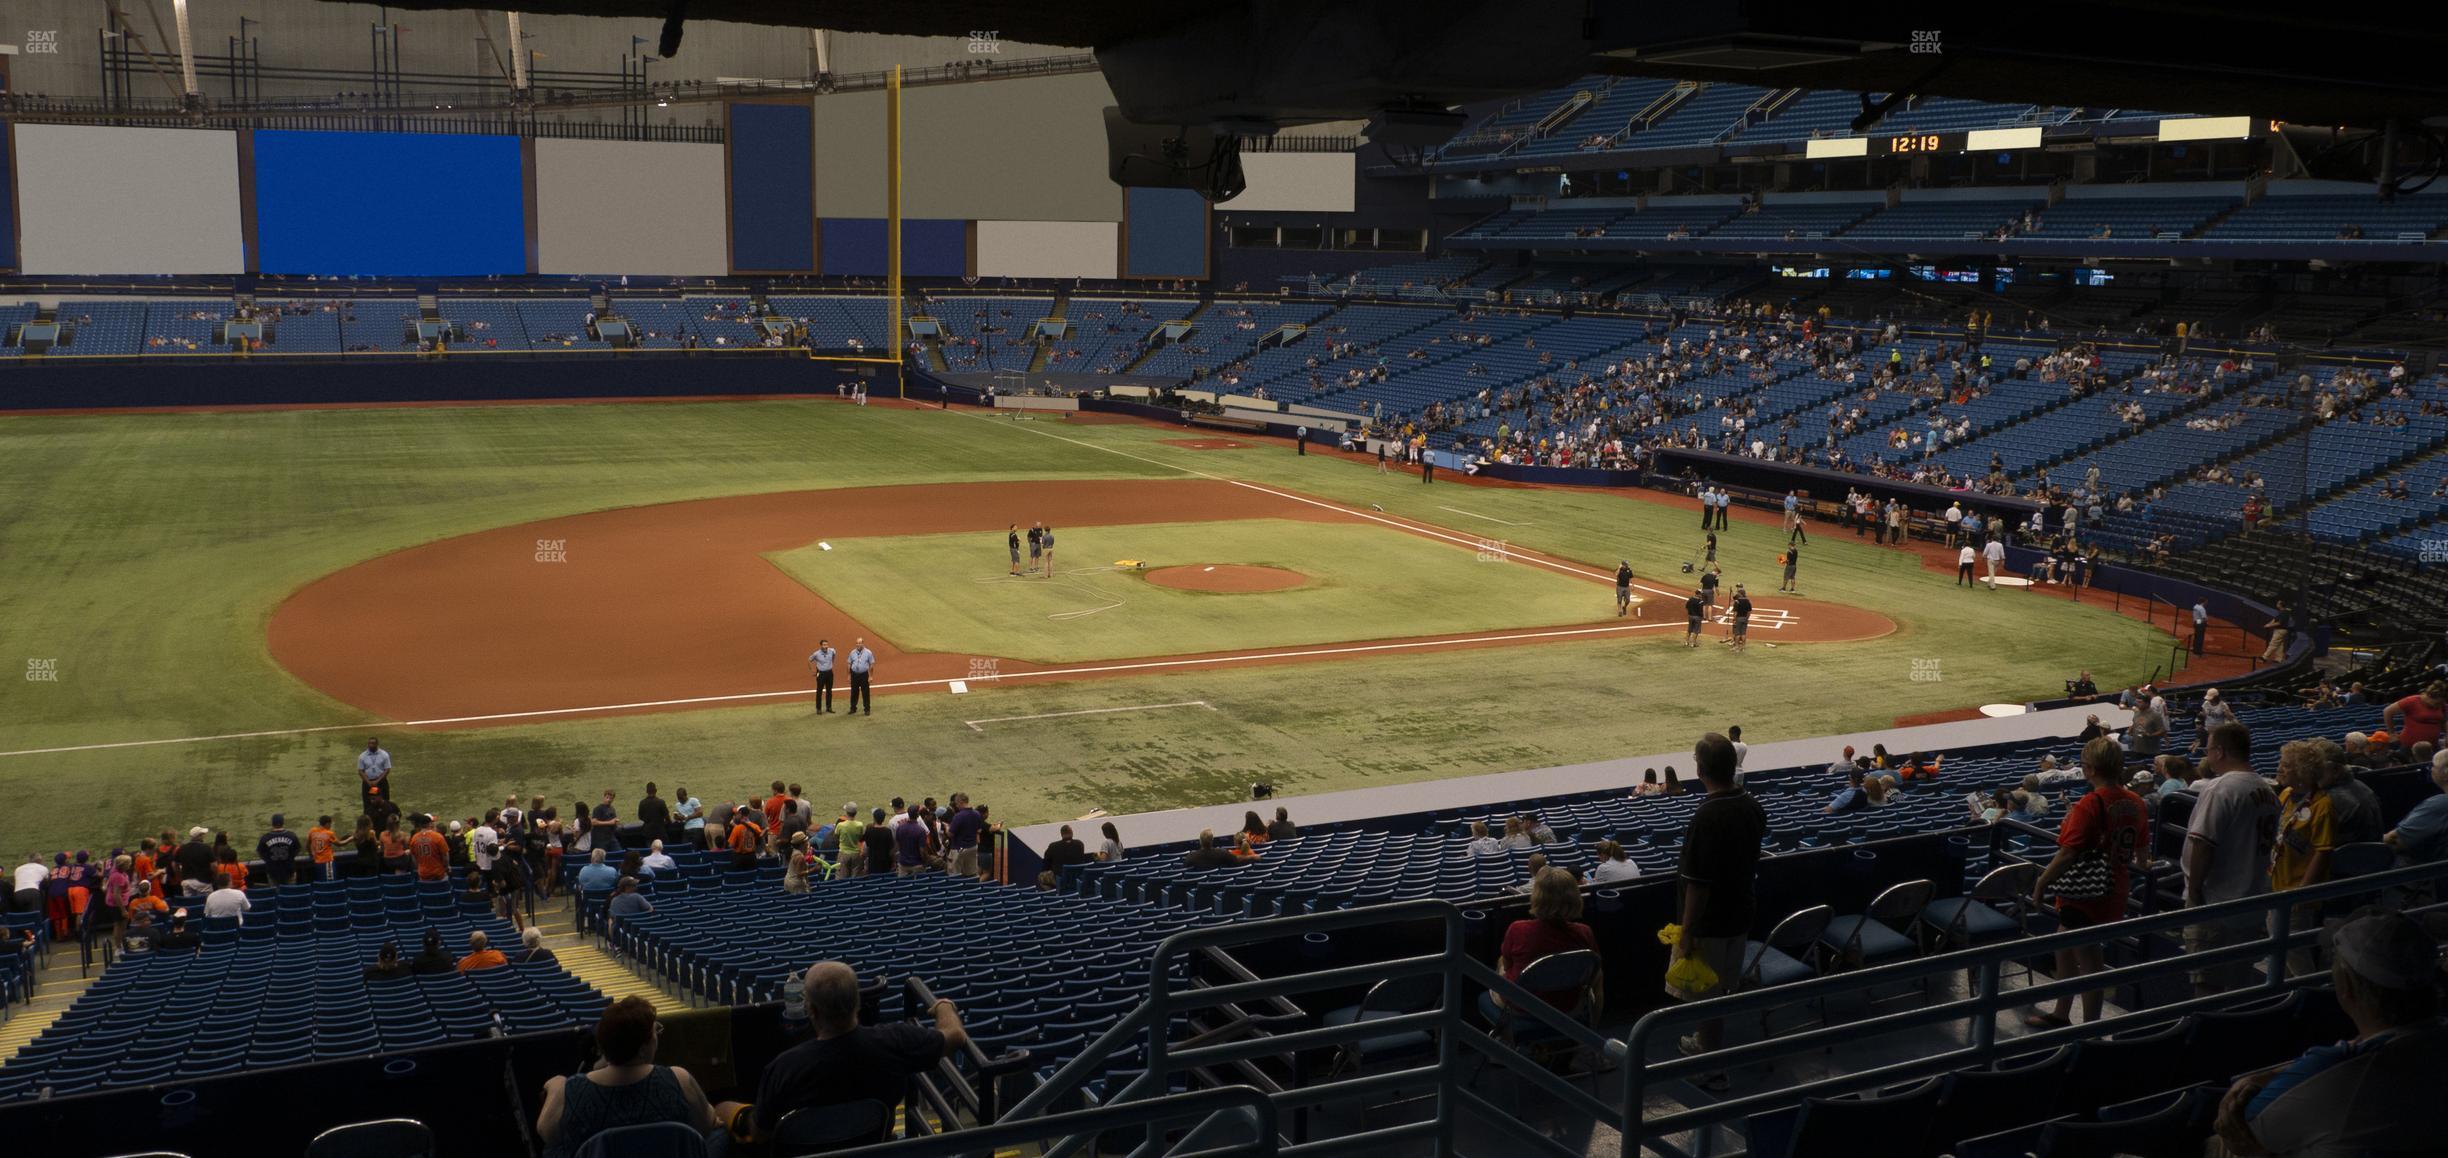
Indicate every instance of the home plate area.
{"type": "Point", "coordinates": [1770, 618]}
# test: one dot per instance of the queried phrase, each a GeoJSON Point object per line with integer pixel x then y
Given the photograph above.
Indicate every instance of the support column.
{"type": "Point", "coordinates": [892, 217]}
{"type": "Point", "coordinates": [518, 56]}
{"type": "Point", "coordinates": [186, 51]}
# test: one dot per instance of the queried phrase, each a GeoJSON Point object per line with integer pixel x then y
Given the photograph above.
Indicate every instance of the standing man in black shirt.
{"type": "Point", "coordinates": [1012, 538]}
{"type": "Point", "coordinates": [1720, 861]}
{"type": "Point", "coordinates": [1693, 609]}
{"type": "Point", "coordinates": [1742, 618]}
{"type": "Point", "coordinates": [1623, 587]}
{"type": "Point", "coordinates": [654, 817]}
{"type": "Point", "coordinates": [278, 848]}
{"type": "Point", "coordinates": [846, 1062]}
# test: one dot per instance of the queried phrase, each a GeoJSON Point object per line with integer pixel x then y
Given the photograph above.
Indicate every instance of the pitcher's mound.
{"type": "Point", "coordinates": [1234, 578]}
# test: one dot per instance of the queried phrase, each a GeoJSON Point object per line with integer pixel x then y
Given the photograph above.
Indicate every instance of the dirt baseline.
{"type": "Point", "coordinates": [1226, 578]}
{"type": "Point", "coordinates": [674, 606]}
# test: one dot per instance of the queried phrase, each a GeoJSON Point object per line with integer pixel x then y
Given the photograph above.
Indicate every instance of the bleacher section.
{"type": "Point", "coordinates": [2128, 217]}
{"type": "Point", "coordinates": [1227, 332]}
{"type": "Point", "coordinates": [982, 334]}
{"type": "Point", "coordinates": [1511, 125]}
{"type": "Point", "coordinates": [104, 327]}
{"type": "Point", "coordinates": [1040, 971]}
{"type": "Point", "coordinates": [289, 988]}
{"type": "Point", "coordinates": [1712, 114]}
{"type": "Point", "coordinates": [1107, 333]}
{"type": "Point", "coordinates": [1789, 220]}
{"type": "Point", "coordinates": [1608, 117]}
{"type": "Point", "coordinates": [2328, 217]}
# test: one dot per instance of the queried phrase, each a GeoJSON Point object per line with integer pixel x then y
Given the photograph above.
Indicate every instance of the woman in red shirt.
{"type": "Point", "coordinates": [1555, 899]}
{"type": "Point", "coordinates": [2417, 718]}
{"type": "Point", "coordinates": [2109, 822]}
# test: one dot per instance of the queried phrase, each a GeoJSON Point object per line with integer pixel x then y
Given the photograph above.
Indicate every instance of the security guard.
{"type": "Point", "coordinates": [820, 662]}
{"type": "Point", "coordinates": [862, 663]}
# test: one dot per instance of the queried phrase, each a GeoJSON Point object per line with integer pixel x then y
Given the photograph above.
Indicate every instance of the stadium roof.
{"type": "Point", "coordinates": [1291, 61]}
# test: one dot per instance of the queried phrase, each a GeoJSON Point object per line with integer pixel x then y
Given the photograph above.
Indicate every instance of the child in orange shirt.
{"type": "Point", "coordinates": [321, 842]}
{"type": "Point", "coordinates": [230, 866]}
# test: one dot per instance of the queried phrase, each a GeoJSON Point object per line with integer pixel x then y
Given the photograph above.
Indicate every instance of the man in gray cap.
{"type": "Point", "coordinates": [2377, 1093]}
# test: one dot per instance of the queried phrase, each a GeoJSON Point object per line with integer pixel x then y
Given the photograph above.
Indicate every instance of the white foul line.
{"type": "Point", "coordinates": [741, 697]}
{"type": "Point", "coordinates": [1477, 515]}
{"type": "Point", "coordinates": [973, 724]}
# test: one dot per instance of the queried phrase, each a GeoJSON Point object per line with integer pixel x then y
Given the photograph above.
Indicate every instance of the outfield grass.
{"type": "Point", "coordinates": [953, 593]}
{"type": "Point", "coordinates": [145, 553]}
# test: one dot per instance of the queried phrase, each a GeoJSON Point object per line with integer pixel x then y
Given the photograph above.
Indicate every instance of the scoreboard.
{"type": "Point", "coordinates": [1925, 143]}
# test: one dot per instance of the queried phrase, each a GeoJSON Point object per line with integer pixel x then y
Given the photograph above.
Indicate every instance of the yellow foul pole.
{"type": "Point", "coordinates": [892, 224]}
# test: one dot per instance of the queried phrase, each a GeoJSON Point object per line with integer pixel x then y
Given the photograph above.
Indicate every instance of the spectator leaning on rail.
{"type": "Point", "coordinates": [2377, 1093]}
{"type": "Point", "coordinates": [846, 1062]}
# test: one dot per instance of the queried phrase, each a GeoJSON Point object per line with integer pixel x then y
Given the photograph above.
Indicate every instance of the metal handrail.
{"type": "Point", "coordinates": [1166, 1059]}
{"type": "Point", "coordinates": [1987, 999]}
{"type": "Point", "coordinates": [1224, 1104]}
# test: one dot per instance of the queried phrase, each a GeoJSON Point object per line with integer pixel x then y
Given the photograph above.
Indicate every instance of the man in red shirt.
{"type": "Point", "coordinates": [774, 806]}
{"type": "Point", "coordinates": [429, 851]}
{"type": "Point", "coordinates": [2417, 718]}
{"type": "Point", "coordinates": [2106, 833]}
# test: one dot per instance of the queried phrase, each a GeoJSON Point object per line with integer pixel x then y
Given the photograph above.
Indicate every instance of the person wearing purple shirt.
{"type": "Point", "coordinates": [962, 842]}
{"type": "Point", "coordinates": [910, 845]}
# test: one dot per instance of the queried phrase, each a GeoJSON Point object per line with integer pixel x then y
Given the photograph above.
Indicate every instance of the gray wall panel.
{"type": "Point", "coordinates": [139, 201]}
{"type": "Point", "coordinates": [609, 207]}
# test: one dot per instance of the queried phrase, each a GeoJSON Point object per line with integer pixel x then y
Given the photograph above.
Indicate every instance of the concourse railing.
{"type": "Point", "coordinates": [1444, 1077]}
{"type": "Point", "coordinates": [2285, 931]}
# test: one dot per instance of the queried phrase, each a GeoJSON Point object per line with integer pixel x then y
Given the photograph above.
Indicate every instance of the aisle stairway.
{"type": "Point", "coordinates": [585, 959]}
{"type": "Point", "coordinates": [56, 987]}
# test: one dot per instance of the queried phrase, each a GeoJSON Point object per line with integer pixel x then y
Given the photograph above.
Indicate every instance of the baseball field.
{"type": "Point", "coordinates": [215, 610]}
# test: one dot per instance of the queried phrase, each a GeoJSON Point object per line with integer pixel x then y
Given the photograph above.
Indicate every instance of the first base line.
{"type": "Point", "coordinates": [973, 724]}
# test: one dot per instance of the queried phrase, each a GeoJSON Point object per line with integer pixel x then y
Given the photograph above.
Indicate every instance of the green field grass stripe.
{"type": "Point", "coordinates": [952, 594]}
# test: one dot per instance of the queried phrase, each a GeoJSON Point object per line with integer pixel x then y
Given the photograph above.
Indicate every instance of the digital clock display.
{"type": "Point", "coordinates": [1916, 143]}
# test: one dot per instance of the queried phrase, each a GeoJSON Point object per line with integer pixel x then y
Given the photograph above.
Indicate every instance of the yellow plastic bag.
{"type": "Point", "coordinates": [1692, 975]}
